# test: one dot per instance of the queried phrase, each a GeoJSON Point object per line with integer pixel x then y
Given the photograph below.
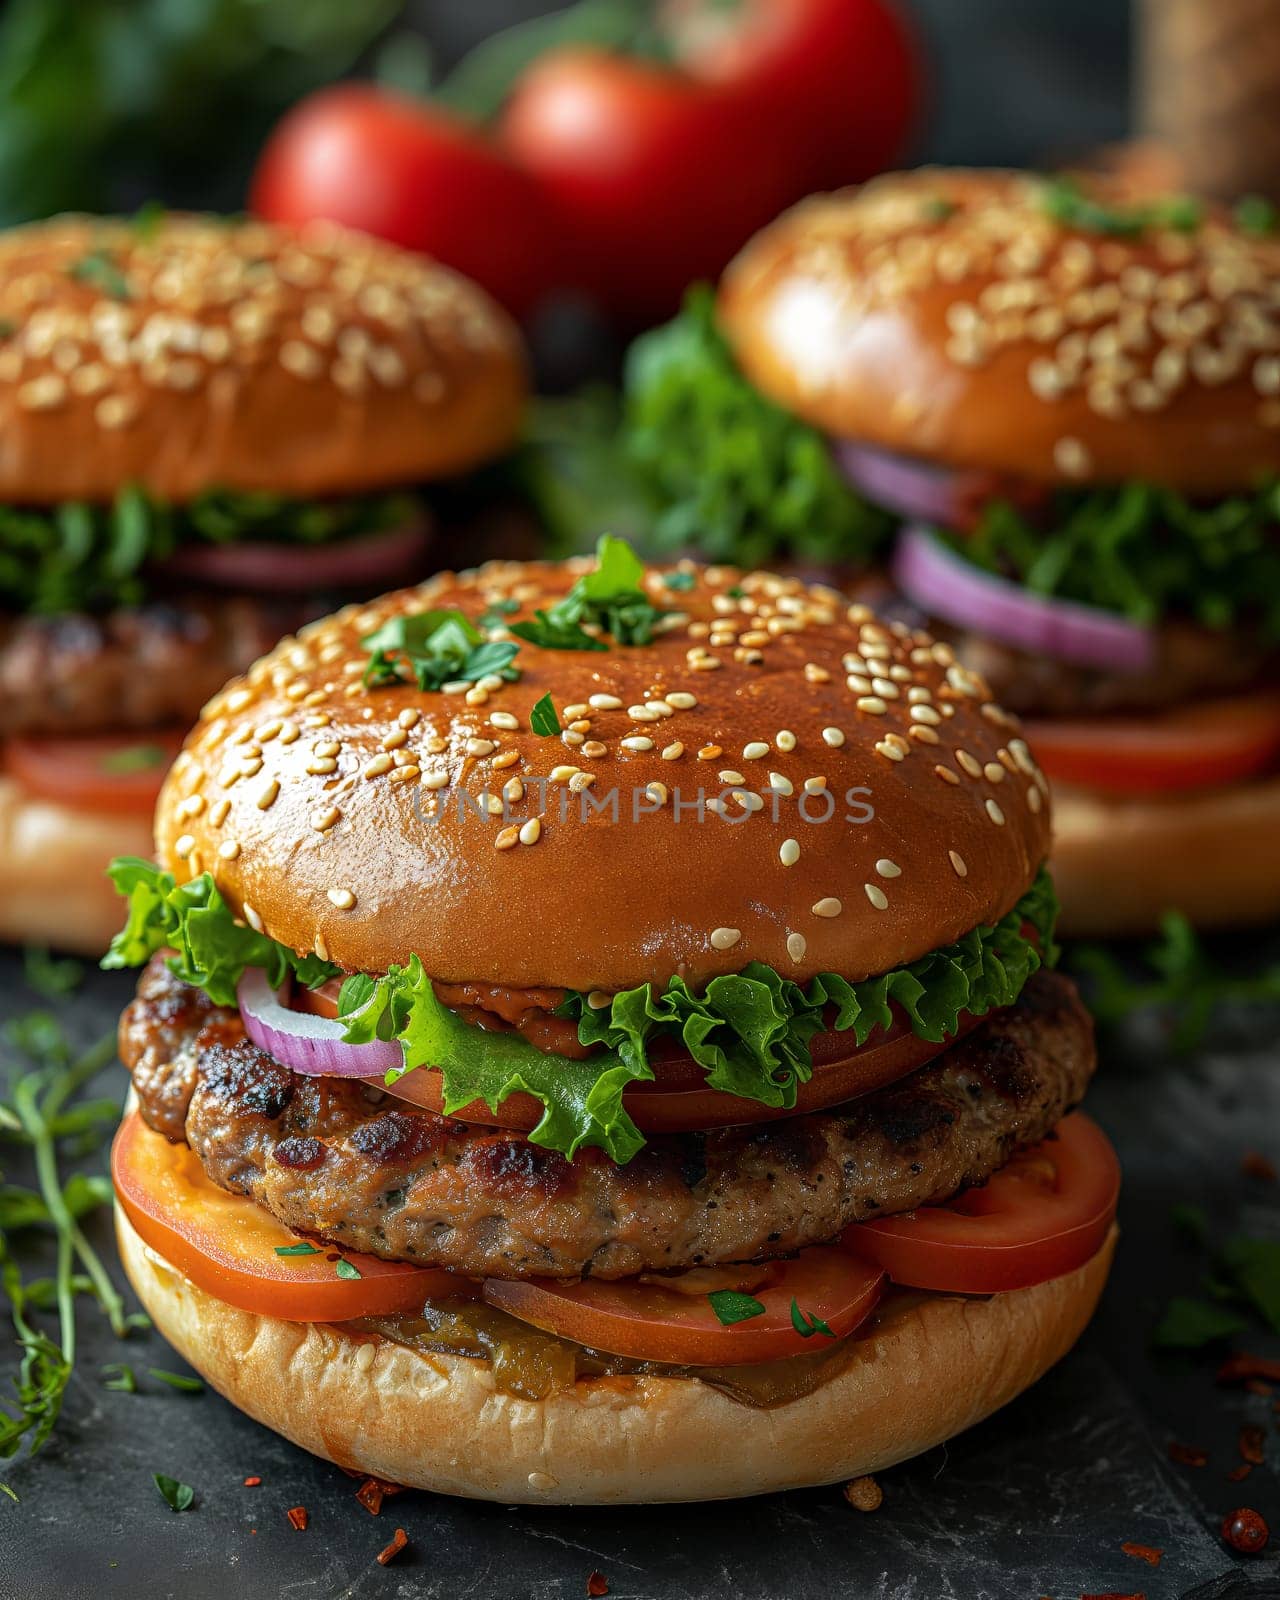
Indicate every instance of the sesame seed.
{"type": "Point", "coordinates": [436, 780]}
{"type": "Point", "coordinates": [887, 868]}
{"type": "Point", "coordinates": [409, 718]}
{"type": "Point", "coordinates": [877, 896]}
{"type": "Point", "coordinates": [725, 938]}
{"type": "Point", "coordinates": [507, 838]}
{"type": "Point", "coordinates": [891, 752]}
{"type": "Point", "coordinates": [833, 736]}
{"type": "Point", "coordinates": [1034, 801]}
{"type": "Point", "coordinates": [781, 783]}
{"type": "Point", "coordinates": [657, 792]}
{"type": "Point", "coordinates": [789, 852]}
{"type": "Point", "coordinates": [922, 735]}
{"type": "Point", "coordinates": [605, 702]}
{"type": "Point", "coordinates": [636, 741]}
{"type": "Point", "coordinates": [995, 813]}
{"type": "Point", "coordinates": [508, 758]}
{"type": "Point", "coordinates": [252, 917]}
{"type": "Point", "coordinates": [504, 719]}
{"type": "Point", "coordinates": [377, 766]}
{"type": "Point", "coordinates": [682, 701]}
{"type": "Point", "coordinates": [322, 821]}
{"type": "Point", "coordinates": [342, 898]}
{"type": "Point", "coordinates": [730, 776]}
{"type": "Point", "coordinates": [229, 849]}
{"type": "Point", "coordinates": [993, 772]}
{"type": "Point", "coordinates": [266, 796]}
{"type": "Point", "coordinates": [969, 763]}
{"type": "Point", "coordinates": [480, 747]}
{"type": "Point", "coordinates": [563, 774]}
{"type": "Point", "coordinates": [641, 714]}
{"type": "Point", "coordinates": [218, 815]}
{"type": "Point", "coordinates": [183, 846]}
{"type": "Point", "coordinates": [572, 738]}
{"type": "Point", "coordinates": [599, 999]}
{"type": "Point", "coordinates": [925, 713]}
{"type": "Point", "coordinates": [593, 749]}
{"type": "Point", "coordinates": [513, 791]}
{"type": "Point", "coordinates": [710, 752]}
{"type": "Point", "coordinates": [828, 907]}
{"type": "Point", "coordinates": [858, 683]}
{"type": "Point", "coordinates": [871, 703]}
{"type": "Point", "coordinates": [755, 750]}
{"type": "Point", "coordinates": [957, 861]}
{"type": "Point", "coordinates": [581, 781]}
{"type": "Point", "coordinates": [531, 831]}
{"type": "Point", "coordinates": [814, 785]}
{"type": "Point", "coordinates": [391, 741]}
{"type": "Point", "coordinates": [785, 740]}
{"type": "Point", "coordinates": [673, 752]}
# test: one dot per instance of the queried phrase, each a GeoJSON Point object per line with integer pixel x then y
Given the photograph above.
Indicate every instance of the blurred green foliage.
{"type": "Point", "coordinates": [105, 103]}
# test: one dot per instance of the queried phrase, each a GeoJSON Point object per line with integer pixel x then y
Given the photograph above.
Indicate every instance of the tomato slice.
{"type": "Point", "coordinates": [655, 1321]}
{"type": "Point", "coordinates": [121, 773]}
{"type": "Point", "coordinates": [1210, 743]}
{"type": "Point", "coordinates": [228, 1245]}
{"type": "Point", "coordinates": [1044, 1214]}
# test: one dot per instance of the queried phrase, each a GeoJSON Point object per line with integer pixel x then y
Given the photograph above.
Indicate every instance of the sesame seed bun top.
{"type": "Point", "coordinates": [947, 315]}
{"type": "Point", "coordinates": [343, 819]}
{"type": "Point", "coordinates": [187, 353]}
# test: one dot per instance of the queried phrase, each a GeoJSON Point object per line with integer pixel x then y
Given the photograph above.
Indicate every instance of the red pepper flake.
{"type": "Point", "coordinates": [1252, 1443]}
{"type": "Point", "coordinates": [252, 1483]}
{"type": "Point", "coordinates": [297, 1515]}
{"type": "Point", "coordinates": [1245, 1531]}
{"type": "Point", "coordinates": [1240, 1368]}
{"type": "Point", "coordinates": [1240, 1473]}
{"type": "Point", "coordinates": [398, 1542]}
{"type": "Point", "coordinates": [1188, 1455]}
{"type": "Point", "coordinates": [373, 1491]}
{"type": "Point", "coordinates": [1143, 1552]}
{"type": "Point", "coordinates": [597, 1585]}
{"type": "Point", "coordinates": [1255, 1165]}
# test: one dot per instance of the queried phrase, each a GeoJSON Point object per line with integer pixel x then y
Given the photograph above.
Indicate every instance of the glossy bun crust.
{"type": "Point", "coordinates": [930, 1366]}
{"type": "Point", "coordinates": [946, 315]}
{"type": "Point", "coordinates": [192, 353]}
{"type": "Point", "coordinates": [321, 807]}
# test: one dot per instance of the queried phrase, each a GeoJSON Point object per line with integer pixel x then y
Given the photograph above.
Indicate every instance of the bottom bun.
{"type": "Point", "coordinates": [930, 1367]}
{"type": "Point", "coordinates": [1120, 864]}
{"type": "Point", "coordinates": [53, 863]}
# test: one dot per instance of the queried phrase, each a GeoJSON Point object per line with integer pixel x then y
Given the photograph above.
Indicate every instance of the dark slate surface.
{"type": "Point", "coordinates": [1036, 1502]}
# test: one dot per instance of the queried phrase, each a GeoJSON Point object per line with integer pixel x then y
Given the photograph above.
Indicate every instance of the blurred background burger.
{"type": "Point", "coordinates": [206, 425]}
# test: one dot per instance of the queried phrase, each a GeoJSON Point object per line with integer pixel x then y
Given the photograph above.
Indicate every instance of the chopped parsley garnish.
{"type": "Point", "coordinates": [806, 1325]}
{"type": "Point", "coordinates": [306, 1248]}
{"type": "Point", "coordinates": [345, 1269]}
{"type": "Point", "coordinates": [543, 719]}
{"type": "Point", "coordinates": [1067, 203]}
{"type": "Point", "coordinates": [609, 599]}
{"type": "Point", "coordinates": [938, 209]}
{"type": "Point", "coordinates": [1144, 552]}
{"type": "Point", "coordinates": [749, 1031]}
{"type": "Point", "coordinates": [730, 1306]}
{"type": "Point", "coordinates": [177, 1496]}
{"type": "Point", "coordinates": [1257, 215]}
{"type": "Point", "coordinates": [433, 648]}
{"type": "Point", "coordinates": [680, 582]}
{"type": "Point", "coordinates": [133, 758]}
{"type": "Point", "coordinates": [1243, 1283]}
{"type": "Point", "coordinates": [122, 1378]}
{"type": "Point", "coordinates": [100, 270]}
{"type": "Point", "coordinates": [177, 1380]}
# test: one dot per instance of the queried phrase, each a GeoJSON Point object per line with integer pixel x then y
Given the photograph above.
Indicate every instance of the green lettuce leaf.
{"type": "Point", "coordinates": [736, 477]}
{"type": "Point", "coordinates": [1144, 552]}
{"type": "Point", "coordinates": [750, 1031]}
{"type": "Point", "coordinates": [77, 557]}
{"type": "Point", "coordinates": [213, 947]}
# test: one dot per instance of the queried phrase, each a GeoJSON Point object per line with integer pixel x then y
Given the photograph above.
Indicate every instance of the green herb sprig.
{"type": "Point", "coordinates": [1068, 203]}
{"type": "Point", "coordinates": [44, 1112]}
{"type": "Point", "coordinates": [1181, 980]}
{"type": "Point", "coordinates": [1242, 1287]}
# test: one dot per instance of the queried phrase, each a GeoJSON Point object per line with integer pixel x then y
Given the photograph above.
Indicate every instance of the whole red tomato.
{"type": "Point", "coordinates": [656, 179]}
{"type": "Point", "coordinates": [416, 175]}
{"type": "Point", "coordinates": [838, 80]}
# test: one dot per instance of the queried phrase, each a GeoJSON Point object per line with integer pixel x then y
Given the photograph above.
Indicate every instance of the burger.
{"type": "Point", "coordinates": [1064, 403]}
{"type": "Point", "coordinates": [597, 1041]}
{"type": "Point", "coordinates": [205, 425]}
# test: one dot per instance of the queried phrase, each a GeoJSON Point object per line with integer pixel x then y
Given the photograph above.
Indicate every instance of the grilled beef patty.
{"type": "Point", "coordinates": [338, 1158]}
{"type": "Point", "coordinates": [138, 667]}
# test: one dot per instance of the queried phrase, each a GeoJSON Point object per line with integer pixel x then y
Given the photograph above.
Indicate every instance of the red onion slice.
{"type": "Point", "coordinates": [906, 487]}
{"type": "Point", "coordinates": [308, 1044]}
{"type": "Point", "coordinates": [947, 586]}
{"type": "Point", "coordinates": [373, 559]}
